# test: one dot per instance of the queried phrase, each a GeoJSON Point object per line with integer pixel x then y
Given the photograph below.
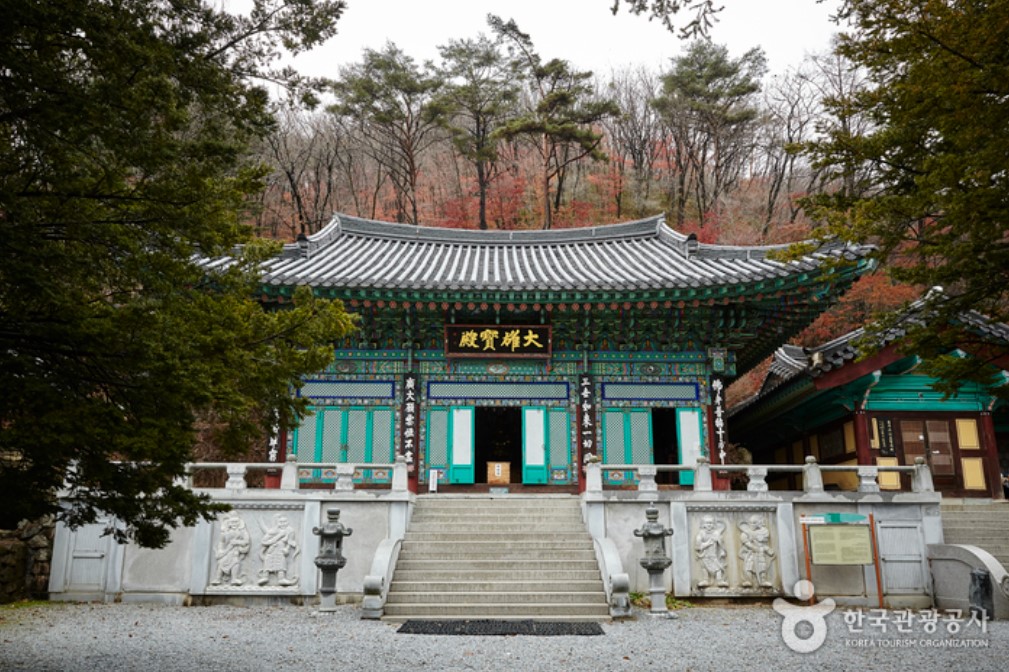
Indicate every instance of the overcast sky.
{"type": "Point", "coordinates": [581, 31]}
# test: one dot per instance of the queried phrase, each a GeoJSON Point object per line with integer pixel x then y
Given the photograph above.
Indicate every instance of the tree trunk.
{"type": "Point", "coordinates": [481, 181]}
{"type": "Point", "coordinates": [547, 212]}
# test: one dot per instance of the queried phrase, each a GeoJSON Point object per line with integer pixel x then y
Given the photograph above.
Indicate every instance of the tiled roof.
{"type": "Point", "coordinates": [790, 362]}
{"type": "Point", "coordinates": [646, 254]}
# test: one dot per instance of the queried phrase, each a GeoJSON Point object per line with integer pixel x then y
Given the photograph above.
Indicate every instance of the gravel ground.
{"type": "Point", "coordinates": [113, 637]}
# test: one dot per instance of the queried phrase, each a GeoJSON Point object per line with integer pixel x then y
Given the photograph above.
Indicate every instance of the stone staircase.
{"type": "Point", "coordinates": [984, 524]}
{"type": "Point", "coordinates": [497, 557]}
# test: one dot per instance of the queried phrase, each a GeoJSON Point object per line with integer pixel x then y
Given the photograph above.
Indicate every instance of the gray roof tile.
{"type": "Point", "coordinates": [358, 253]}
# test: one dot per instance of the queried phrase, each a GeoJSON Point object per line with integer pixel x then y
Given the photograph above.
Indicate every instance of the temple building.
{"type": "Point", "coordinates": [510, 358]}
{"type": "Point", "coordinates": [845, 409]}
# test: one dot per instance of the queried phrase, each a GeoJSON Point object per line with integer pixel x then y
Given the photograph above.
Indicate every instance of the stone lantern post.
{"type": "Point", "coordinates": [330, 559]}
{"type": "Point", "coordinates": [656, 561]}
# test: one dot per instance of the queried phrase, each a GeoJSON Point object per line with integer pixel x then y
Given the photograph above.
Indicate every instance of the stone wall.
{"type": "Point", "coordinates": [715, 536]}
{"type": "Point", "coordinates": [245, 557]}
{"type": "Point", "coordinates": [25, 557]}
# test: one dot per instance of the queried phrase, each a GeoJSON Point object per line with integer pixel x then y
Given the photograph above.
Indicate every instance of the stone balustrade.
{"type": "Point", "coordinates": [812, 474]}
{"type": "Point", "coordinates": [289, 480]}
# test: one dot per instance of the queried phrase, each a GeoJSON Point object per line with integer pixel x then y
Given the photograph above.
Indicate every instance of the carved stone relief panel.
{"type": "Point", "coordinates": [733, 551]}
{"type": "Point", "coordinates": [255, 548]}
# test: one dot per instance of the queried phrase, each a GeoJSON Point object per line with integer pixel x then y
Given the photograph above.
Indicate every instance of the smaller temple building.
{"type": "Point", "coordinates": [879, 410]}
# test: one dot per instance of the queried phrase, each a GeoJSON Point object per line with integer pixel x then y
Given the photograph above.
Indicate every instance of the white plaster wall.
{"type": "Point", "coordinates": [187, 564]}
{"type": "Point", "coordinates": [159, 570]}
{"type": "Point", "coordinates": [623, 512]}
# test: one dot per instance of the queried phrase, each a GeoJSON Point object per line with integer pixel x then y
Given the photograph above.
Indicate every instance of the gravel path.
{"type": "Point", "coordinates": [71, 637]}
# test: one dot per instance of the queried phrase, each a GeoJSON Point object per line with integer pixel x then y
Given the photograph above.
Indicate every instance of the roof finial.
{"type": "Point", "coordinates": [303, 245]}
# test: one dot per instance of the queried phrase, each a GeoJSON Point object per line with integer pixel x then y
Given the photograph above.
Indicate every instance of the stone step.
{"type": "Point", "coordinates": [561, 618]}
{"type": "Point", "coordinates": [504, 504]}
{"type": "Point", "coordinates": [479, 517]}
{"type": "Point", "coordinates": [437, 573]}
{"type": "Point", "coordinates": [966, 517]}
{"type": "Point", "coordinates": [494, 598]}
{"type": "Point", "coordinates": [497, 558]}
{"type": "Point", "coordinates": [990, 531]}
{"type": "Point", "coordinates": [993, 535]}
{"type": "Point", "coordinates": [976, 539]}
{"type": "Point", "coordinates": [499, 586]}
{"type": "Point", "coordinates": [411, 610]}
{"type": "Point", "coordinates": [974, 505]}
{"type": "Point", "coordinates": [491, 543]}
{"type": "Point", "coordinates": [995, 549]}
{"type": "Point", "coordinates": [482, 520]}
{"type": "Point", "coordinates": [466, 532]}
{"type": "Point", "coordinates": [993, 530]}
{"type": "Point", "coordinates": [505, 508]}
{"type": "Point", "coordinates": [996, 538]}
{"type": "Point", "coordinates": [543, 558]}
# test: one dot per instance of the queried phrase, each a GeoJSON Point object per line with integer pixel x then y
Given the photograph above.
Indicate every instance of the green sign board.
{"type": "Point", "coordinates": [836, 518]}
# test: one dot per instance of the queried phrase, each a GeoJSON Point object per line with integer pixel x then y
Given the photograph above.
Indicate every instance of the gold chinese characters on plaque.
{"type": "Point", "coordinates": [495, 341]}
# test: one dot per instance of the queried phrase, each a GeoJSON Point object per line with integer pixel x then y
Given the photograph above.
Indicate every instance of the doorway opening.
{"type": "Point", "coordinates": [665, 443]}
{"type": "Point", "coordinates": [498, 439]}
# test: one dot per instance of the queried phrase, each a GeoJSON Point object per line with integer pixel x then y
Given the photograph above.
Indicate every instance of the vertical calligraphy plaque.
{"type": "Point", "coordinates": [409, 414]}
{"type": "Point", "coordinates": [587, 416]}
{"type": "Point", "coordinates": [718, 401]}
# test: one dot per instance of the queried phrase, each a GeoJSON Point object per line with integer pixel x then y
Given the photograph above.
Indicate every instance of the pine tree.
{"type": "Point", "coordinates": [126, 129]}
{"type": "Point", "coordinates": [933, 186]}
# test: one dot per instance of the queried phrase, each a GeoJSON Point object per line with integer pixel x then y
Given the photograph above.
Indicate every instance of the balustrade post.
{"type": "Point", "coordinates": [399, 475]}
{"type": "Point", "coordinates": [344, 477]}
{"type": "Point", "coordinates": [593, 477]}
{"type": "Point", "coordinates": [702, 475]}
{"type": "Point", "coordinates": [758, 479]}
{"type": "Point", "coordinates": [236, 477]}
{"type": "Point", "coordinates": [812, 477]}
{"type": "Point", "coordinates": [289, 474]}
{"type": "Point", "coordinates": [186, 480]}
{"type": "Point", "coordinates": [646, 478]}
{"type": "Point", "coordinates": [921, 480]}
{"type": "Point", "coordinates": [868, 479]}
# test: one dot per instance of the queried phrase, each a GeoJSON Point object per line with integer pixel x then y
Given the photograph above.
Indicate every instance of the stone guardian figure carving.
{"type": "Point", "coordinates": [756, 553]}
{"type": "Point", "coordinates": [232, 547]}
{"type": "Point", "coordinates": [710, 550]}
{"type": "Point", "coordinates": [279, 547]}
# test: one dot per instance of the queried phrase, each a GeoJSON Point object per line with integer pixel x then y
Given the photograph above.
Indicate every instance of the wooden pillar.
{"type": "Point", "coordinates": [863, 448]}
{"type": "Point", "coordinates": [989, 453]}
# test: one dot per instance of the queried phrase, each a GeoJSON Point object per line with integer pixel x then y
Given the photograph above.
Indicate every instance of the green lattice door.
{"type": "Point", "coordinates": [534, 445]}
{"type": "Point", "coordinates": [627, 439]}
{"type": "Point", "coordinates": [450, 434]}
{"type": "Point", "coordinates": [546, 445]}
{"type": "Point", "coordinates": [689, 437]}
{"type": "Point", "coordinates": [346, 434]}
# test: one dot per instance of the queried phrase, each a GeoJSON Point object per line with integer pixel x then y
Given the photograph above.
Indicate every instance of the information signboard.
{"type": "Point", "coordinates": [840, 544]}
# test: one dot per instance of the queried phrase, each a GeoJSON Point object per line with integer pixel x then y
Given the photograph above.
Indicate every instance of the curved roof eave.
{"type": "Point", "coordinates": [355, 253]}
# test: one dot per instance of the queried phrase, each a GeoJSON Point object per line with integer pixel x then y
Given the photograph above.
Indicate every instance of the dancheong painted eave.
{"type": "Point", "coordinates": [641, 256]}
